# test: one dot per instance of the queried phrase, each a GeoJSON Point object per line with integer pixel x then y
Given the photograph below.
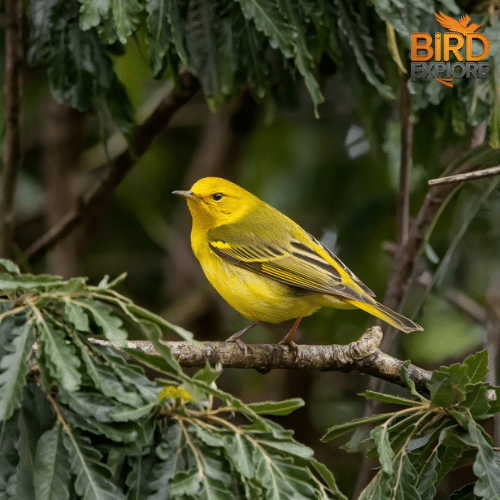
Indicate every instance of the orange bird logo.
{"type": "Point", "coordinates": [458, 26]}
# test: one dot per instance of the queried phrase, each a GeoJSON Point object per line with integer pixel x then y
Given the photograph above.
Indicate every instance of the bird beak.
{"type": "Point", "coordinates": [185, 194]}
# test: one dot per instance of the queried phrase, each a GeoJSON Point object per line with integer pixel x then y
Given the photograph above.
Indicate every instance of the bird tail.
{"type": "Point", "coordinates": [388, 315]}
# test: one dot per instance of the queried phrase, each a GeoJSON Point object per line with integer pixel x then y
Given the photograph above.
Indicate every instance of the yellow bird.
{"type": "Point", "coordinates": [266, 266]}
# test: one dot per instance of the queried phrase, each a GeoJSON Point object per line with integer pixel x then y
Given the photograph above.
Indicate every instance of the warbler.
{"type": "Point", "coordinates": [266, 266]}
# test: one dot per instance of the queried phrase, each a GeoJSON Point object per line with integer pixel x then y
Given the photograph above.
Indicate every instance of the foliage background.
{"type": "Point", "coordinates": [336, 175]}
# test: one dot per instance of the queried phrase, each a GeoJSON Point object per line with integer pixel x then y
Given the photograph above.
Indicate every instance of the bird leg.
{"type": "Point", "coordinates": [235, 337]}
{"type": "Point", "coordinates": [288, 339]}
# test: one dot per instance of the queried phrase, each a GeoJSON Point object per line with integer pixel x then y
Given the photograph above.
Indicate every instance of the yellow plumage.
{"type": "Point", "coordinates": [265, 265]}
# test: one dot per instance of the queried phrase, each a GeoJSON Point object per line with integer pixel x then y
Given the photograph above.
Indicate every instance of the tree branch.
{"type": "Point", "coordinates": [406, 128]}
{"type": "Point", "coordinates": [111, 178]}
{"type": "Point", "coordinates": [478, 174]}
{"type": "Point", "coordinates": [14, 57]}
{"type": "Point", "coordinates": [362, 355]}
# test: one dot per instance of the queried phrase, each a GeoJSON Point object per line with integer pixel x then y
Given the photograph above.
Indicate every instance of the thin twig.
{"type": "Point", "coordinates": [405, 259]}
{"type": "Point", "coordinates": [111, 178]}
{"type": "Point", "coordinates": [491, 342]}
{"type": "Point", "coordinates": [14, 57]}
{"type": "Point", "coordinates": [406, 128]}
{"type": "Point", "coordinates": [478, 174]}
{"type": "Point", "coordinates": [362, 355]}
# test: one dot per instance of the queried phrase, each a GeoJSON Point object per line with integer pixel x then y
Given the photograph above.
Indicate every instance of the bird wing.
{"type": "Point", "coordinates": [448, 22]}
{"type": "Point", "coordinates": [293, 263]}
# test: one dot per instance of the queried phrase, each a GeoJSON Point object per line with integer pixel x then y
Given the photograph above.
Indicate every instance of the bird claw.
{"type": "Point", "coordinates": [242, 345]}
{"type": "Point", "coordinates": [292, 346]}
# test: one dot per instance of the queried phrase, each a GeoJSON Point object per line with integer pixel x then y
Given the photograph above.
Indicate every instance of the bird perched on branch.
{"type": "Point", "coordinates": [266, 266]}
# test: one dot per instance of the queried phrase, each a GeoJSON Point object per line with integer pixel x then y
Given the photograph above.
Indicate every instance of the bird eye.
{"type": "Point", "coordinates": [217, 196]}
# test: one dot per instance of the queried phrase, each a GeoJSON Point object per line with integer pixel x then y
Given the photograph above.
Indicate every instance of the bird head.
{"type": "Point", "coordinates": [214, 202]}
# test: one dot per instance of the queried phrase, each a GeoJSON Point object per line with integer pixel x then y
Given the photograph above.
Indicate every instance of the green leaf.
{"type": "Point", "coordinates": [241, 452]}
{"type": "Point", "coordinates": [409, 382]}
{"type": "Point", "coordinates": [106, 381]}
{"type": "Point", "coordinates": [77, 316]}
{"type": "Point", "coordinates": [153, 361]}
{"type": "Point", "coordinates": [186, 483]}
{"type": "Point", "coordinates": [211, 47]}
{"type": "Point", "coordinates": [405, 479]}
{"type": "Point", "coordinates": [93, 12]}
{"type": "Point", "coordinates": [477, 366]}
{"type": "Point", "coordinates": [487, 464]}
{"type": "Point", "coordinates": [270, 20]}
{"type": "Point", "coordinates": [50, 471]}
{"type": "Point", "coordinates": [476, 400]}
{"type": "Point", "coordinates": [62, 361]}
{"type": "Point", "coordinates": [338, 430]}
{"type": "Point", "coordinates": [140, 313]}
{"type": "Point", "coordinates": [10, 267]}
{"type": "Point", "coordinates": [380, 435]}
{"type": "Point", "coordinates": [428, 478]}
{"type": "Point", "coordinates": [208, 374]}
{"type": "Point", "coordinates": [447, 385]}
{"type": "Point", "coordinates": [28, 281]}
{"type": "Point", "coordinates": [78, 66]}
{"type": "Point", "coordinates": [328, 477]}
{"type": "Point", "coordinates": [110, 324]}
{"type": "Point", "coordinates": [126, 17]}
{"type": "Point", "coordinates": [277, 407]}
{"type": "Point", "coordinates": [158, 36]}
{"type": "Point", "coordinates": [389, 398]}
{"type": "Point", "coordinates": [93, 480]}
{"type": "Point", "coordinates": [303, 57]}
{"type": "Point", "coordinates": [153, 333]}
{"type": "Point", "coordinates": [15, 367]}
{"type": "Point", "coordinates": [358, 37]}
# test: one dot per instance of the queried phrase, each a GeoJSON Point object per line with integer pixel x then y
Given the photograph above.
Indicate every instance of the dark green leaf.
{"type": "Point", "coordinates": [93, 12]}
{"type": "Point", "coordinates": [211, 47]}
{"type": "Point", "coordinates": [358, 37]}
{"type": "Point", "coordinates": [62, 361]}
{"type": "Point", "coordinates": [15, 367]}
{"type": "Point", "coordinates": [487, 466]}
{"type": "Point", "coordinates": [93, 480]}
{"type": "Point", "coordinates": [158, 36]}
{"type": "Point", "coordinates": [153, 333]}
{"type": "Point", "coordinates": [23, 281]}
{"type": "Point", "coordinates": [271, 20]}
{"type": "Point", "coordinates": [476, 400]}
{"type": "Point", "coordinates": [277, 407]}
{"type": "Point", "coordinates": [447, 385]}
{"type": "Point", "coordinates": [328, 477]}
{"type": "Point", "coordinates": [477, 366]}
{"type": "Point", "coordinates": [126, 17]}
{"type": "Point", "coordinates": [141, 313]}
{"type": "Point", "coordinates": [77, 316]}
{"type": "Point", "coordinates": [389, 398]}
{"type": "Point", "coordinates": [109, 323]}
{"type": "Point", "coordinates": [51, 474]}
{"type": "Point", "coordinates": [186, 483]}
{"type": "Point", "coordinates": [385, 453]}
{"type": "Point", "coordinates": [10, 267]}
{"type": "Point", "coordinates": [428, 479]}
{"type": "Point", "coordinates": [338, 430]}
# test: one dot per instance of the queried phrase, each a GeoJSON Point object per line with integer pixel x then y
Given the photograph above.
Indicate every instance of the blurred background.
{"type": "Point", "coordinates": [336, 175]}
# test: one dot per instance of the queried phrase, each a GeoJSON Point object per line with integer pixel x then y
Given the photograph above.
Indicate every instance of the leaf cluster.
{"type": "Point", "coordinates": [77, 420]}
{"type": "Point", "coordinates": [422, 443]}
